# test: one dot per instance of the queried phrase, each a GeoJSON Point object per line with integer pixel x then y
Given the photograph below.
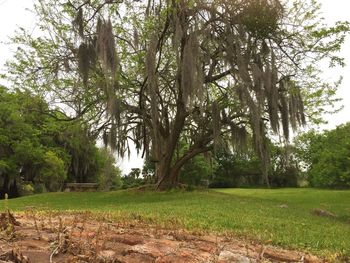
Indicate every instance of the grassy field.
{"type": "Point", "coordinates": [281, 216]}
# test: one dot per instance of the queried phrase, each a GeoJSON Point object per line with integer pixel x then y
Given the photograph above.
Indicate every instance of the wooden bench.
{"type": "Point", "coordinates": [81, 187]}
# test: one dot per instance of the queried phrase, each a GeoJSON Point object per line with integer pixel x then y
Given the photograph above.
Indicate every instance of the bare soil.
{"type": "Point", "coordinates": [82, 237]}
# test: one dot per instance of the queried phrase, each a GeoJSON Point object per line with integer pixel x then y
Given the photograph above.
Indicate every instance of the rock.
{"type": "Point", "coordinates": [283, 256]}
{"type": "Point", "coordinates": [205, 246]}
{"type": "Point", "coordinates": [129, 239]}
{"type": "Point", "coordinates": [325, 213]}
{"type": "Point", "coordinates": [226, 256]}
{"type": "Point", "coordinates": [135, 258]}
{"type": "Point", "coordinates": [155, 248]}
{"type": "Point", "coordinates": [107, 255]}
{"type": "Point", "coordinates": [35, 256]}
{"type": "Point", "coordinates": [283, 206]}
{"type": "Point", "coordinates": [34, 244]}
{"type": "Point", "coordinates": [118, 248]}
{"type": "Point", "coordinates": [172, 258]}
{"type": "Point", "coordinates": [312, 259]}
{"type": "Point", "coordinates": [185, 255]}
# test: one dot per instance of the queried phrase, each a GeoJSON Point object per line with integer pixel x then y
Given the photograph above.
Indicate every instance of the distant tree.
{"type": "Point", "coordinates": [159, 72]}
{"type": "Point", "coordinates": [133, 179]}
{"type": "Point", "coordinates": [326, 157]}
{"type": "Point", "coordinates": [81, 147]}
{"type": "Point", "coordinates": [135, 173]}
{"type": "Point", "coordinates": [236, 170]}
{"type": "Point", "coordinates": [285, 168]}
{"type": "Point", "coordinates": [148, 170]}
{"type": "Point", "coordinates": [53, 172]}
{"type": "Point", "coordinates": [110, 175]}
{"type": "Point", "coordinates": [197, 171]}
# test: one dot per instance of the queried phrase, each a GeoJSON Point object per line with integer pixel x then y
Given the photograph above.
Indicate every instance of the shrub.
{"type": "Point", "coordinates": [39, 188]}
{"type": "Point", "coordinates": [53, 173]}
{"type": "Point", "coordinates": [26, 189]}
{"type": "Point", "coordinates": [326, 157]}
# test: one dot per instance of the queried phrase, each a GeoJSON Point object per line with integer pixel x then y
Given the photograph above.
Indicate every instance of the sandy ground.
{"type": "Point", "coordinates": [37, 238]}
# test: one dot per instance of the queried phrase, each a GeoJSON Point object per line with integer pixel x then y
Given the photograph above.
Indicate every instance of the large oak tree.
{"type": "Point", "coordinates": [213, 73]}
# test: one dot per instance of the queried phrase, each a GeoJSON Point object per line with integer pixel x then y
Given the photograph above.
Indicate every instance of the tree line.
{"type": "Point", "coordinates": [38, 152]}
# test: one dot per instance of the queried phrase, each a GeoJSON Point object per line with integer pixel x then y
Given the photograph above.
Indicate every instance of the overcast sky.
{"type": "Point", "coordinates": [14, 13]}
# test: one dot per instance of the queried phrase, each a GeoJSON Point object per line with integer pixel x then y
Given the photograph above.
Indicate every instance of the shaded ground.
{"type": "Point", "coordinates": [81, 237]}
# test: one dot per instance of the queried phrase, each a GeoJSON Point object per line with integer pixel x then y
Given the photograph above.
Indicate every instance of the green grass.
{"type": "Point", "coordinates": [252, 213]}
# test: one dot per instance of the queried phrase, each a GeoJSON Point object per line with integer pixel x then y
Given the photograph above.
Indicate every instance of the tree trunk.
{"type": "Point", "coordinates": [164, 151]}
{"type": "Point", "coordinates": [167, 173]}
{"type": "Point", "coordinates": [164, 169]}
{"type": "Point", "coordinates": [167, 177]}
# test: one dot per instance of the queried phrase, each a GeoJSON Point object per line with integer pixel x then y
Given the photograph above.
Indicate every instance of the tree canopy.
{"type": "Point", "coordinates": [326, 157]}
{"type": "Point", "coordinates": [216, 74]}
{"type": "Point", "coordinates": [37, 149]}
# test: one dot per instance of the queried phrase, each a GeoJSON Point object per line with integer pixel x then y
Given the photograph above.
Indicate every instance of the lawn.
{"type": "Point", "coordinates": [281, 216]}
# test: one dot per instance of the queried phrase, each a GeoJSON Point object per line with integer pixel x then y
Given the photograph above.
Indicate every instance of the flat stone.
{"type": "Point", "coordinates": [205, 246]}
{"type": "Point", "coordinates": [312, 259]}
{"type": "Point", "coordinates": [156, 248]}
{"type": "Point", "coordinates": [284, 256]}
{"type": "Point", "coordinates": [135, 258]}
{"type": "Point", "coordinates": [173, 258]}
{"type": "Point", "coordinates": [106, 254]}
{"type": "Point", "coordinates": [228, 256]}
{"type": "Point", "coordinates": [128, 239]}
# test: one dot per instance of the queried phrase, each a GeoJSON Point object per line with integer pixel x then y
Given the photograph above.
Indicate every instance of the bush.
{"type": "Point", "coordinates": [222, 184]}
{"type": "Point", "coordinates": [132, 182]}
{"type": "Point", "coordinates": [236, 170]}
{"type": "Point", "coordinates": [109, 175]}
{"type": "Point", "coordinates": [26, 189]}
{"type": "Point", "coordinates": [39, 188]}
{"type": "Point", "coordinates": [287, 177]}
{"type": "Point", "coordinates": [195, 171]}
{"type": "Point", "coordinates": [53, 172]}
{"type": "Point", "coordinates": [326, 157]}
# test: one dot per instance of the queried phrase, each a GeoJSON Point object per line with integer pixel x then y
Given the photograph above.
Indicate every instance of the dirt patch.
{"type": "Point", "coordinates": [82, 238]}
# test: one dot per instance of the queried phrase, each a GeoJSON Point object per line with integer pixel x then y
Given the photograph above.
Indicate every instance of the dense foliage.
{"type": "Point", "coordinates": [39, 152]}
{"type": "Point", "coordinates": [243, 169]}
{"type": "Point", "coordinates": [236, 170]}
{"type": "Point", "coordinates": [197, 171]}
{"type": "Point", "coordinates": [109, 175]}
{"type": "Point", "coordinates": [326, 157]}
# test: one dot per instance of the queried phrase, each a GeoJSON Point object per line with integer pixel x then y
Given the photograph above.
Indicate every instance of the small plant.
{"type": "Point", "coordinates": [7, 225]}
{"type": "Point", "coordinates": [63, 241]}
{"type": "Point", "coordinates": [36, 225]}
{"type": "Point", "coordinates": [6, 205]}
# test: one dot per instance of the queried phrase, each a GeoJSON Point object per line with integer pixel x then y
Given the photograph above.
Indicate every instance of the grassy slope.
{"type": "Point", "coordinates": [254, 213]}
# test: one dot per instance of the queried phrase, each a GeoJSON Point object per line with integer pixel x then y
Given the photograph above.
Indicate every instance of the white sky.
{"type": "Point", "coordinates": [13, 13]}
